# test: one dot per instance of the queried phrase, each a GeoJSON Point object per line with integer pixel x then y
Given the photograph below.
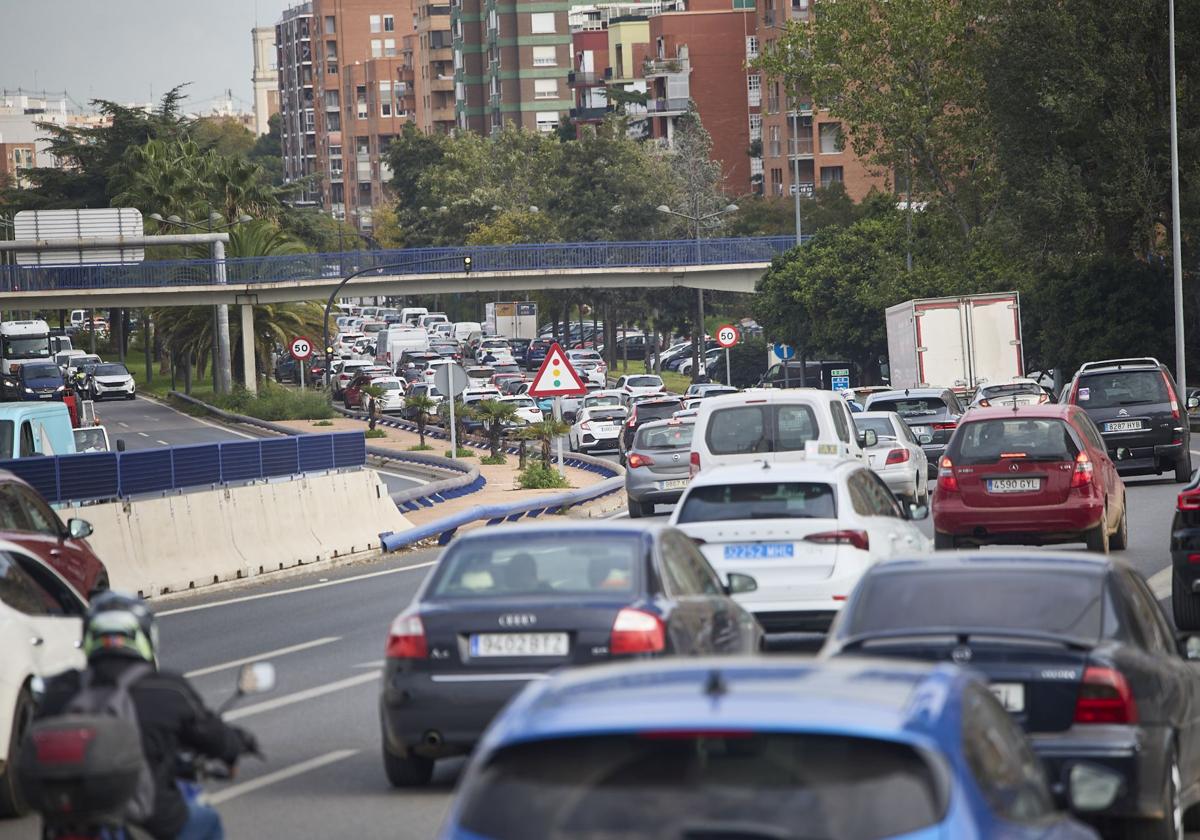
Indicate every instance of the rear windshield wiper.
{"type": "Point", "coordinates": [740, 830]}
{"type": "Point", "coordinates": [1137, 402]}
{"type": "Point", "coordinates": [963, 635]}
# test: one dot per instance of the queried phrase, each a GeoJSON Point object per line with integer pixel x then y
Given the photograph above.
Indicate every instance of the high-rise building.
{"type": "Point", "coordinates": [265, 77]}
{"type": "Point", "coordinates": [510, 64]}
{"type": "Point", "coordinates": [297, 110]}
{"type": "Point", "coordinates": [434, 56]}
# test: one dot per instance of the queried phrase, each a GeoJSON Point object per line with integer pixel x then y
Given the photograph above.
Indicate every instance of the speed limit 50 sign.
{"type": "Point", "coordinates": [728, 335]}
{"type": "Point", "coordinates": [301, 348]}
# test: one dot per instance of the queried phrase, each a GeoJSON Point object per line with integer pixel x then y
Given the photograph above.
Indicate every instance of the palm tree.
{"type": "Point", "coordinates": [546, 432]}
{"type": "Point", "coordinates": [494, 414]}
{"type": "Point", "coordinates": [420, 405]}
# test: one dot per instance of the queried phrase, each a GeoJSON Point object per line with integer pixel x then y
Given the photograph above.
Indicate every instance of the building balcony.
{"type": "Point", "coordinates": [596, 114]}
{"type": "Point", "coordinates": [800, 147]}
{"type": "Point", "coordinates": [652, 67]}
{"type": "Point", "coordinates": [445, 53]}
{"type": "Point", "coordinates": [589, 78]}
{"type": "Point", "coordinates": [444, 85]}
{"type": "Point", "coordinates": [441, 114]}
{"type": "Point", "coordinates": [667, 107]}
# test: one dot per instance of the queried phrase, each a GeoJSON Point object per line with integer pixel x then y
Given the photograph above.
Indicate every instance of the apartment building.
{"type": "Point", "coordinates": [297, 106]}
{"type": "Point", "coordinates": [510, 64]}
{"type": "Point", "coordinates": [434, 57]}
{"type": "Point", "coordinates": [15, 158]}
{"type": "Point", "coordinates": [265, 77]}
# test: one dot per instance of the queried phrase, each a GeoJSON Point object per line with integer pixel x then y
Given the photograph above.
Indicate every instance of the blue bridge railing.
{"type": "Point", "coordinates": [90, 476]}
{"type": "Point", "coordinates": [555, 256]}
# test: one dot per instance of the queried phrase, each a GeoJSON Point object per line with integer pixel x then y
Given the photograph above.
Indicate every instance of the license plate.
{"type": "Point", "coordinates": [674, 484]}
{"type": "Point", "coordinates": [1123, 426]}
{"type": "Point", "coordinates": [1014, 485]}
{"type": "Point", "coordinates": [922, 430]}
{"type": "Point", "coordinates": [519, 644]}
{"type": "Point", "coordinates": [759, 551]}
{"type": "Point", "coordinates": [1010, 695]}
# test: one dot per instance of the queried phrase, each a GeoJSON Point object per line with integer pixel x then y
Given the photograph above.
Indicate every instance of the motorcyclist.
{"type": "Point", "coordinates": [119, 632]}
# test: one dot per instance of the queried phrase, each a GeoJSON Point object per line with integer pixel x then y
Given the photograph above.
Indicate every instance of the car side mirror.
{"type": "Point", "coordinates": [917, 512]}
{"type": "Point", "coordinates": [120, 446]}
{"type": "Point", "coordinates": [256, 678]}
{"type": "Point", "coordinates": [868, 438]}
{"type": "Point", "coordinates": [79, 529]}
{"type": "Point", "coordinates": [924, 439]}
{"type": "Point", "coordinates": [739, 583]}
{"type": "Point", "coordinates": [1193, 402]}
{"type": "Point", "coordinates": [1189, 646]}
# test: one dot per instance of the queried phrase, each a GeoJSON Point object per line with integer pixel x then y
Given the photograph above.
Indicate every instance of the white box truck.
{"type": "Point", "coordinates": [512, 319]}
{"type": "Point", "coordinates": [955, 342]}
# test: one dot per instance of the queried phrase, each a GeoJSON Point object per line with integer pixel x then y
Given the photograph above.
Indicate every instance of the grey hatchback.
{"type": "Point", "coordinates": [656, 465]}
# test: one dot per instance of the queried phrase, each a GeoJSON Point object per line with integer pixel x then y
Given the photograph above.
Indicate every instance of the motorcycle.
{"type": "Point", "coordinates": [80, 801]}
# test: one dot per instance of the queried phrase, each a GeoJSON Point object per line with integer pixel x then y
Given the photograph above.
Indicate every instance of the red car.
{"type": "Point", "coordinates": [28, 521]}
{"type": "Point", "coordinates": [1037, 475]}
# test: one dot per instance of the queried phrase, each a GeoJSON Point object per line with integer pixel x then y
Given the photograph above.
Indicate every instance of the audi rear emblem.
{"type": "Point", "coordinates": [961, 655]}
{"type": "Point", "coordinates": [518, 620]}
{"type": "Point", "coordinates": [1014, 466]}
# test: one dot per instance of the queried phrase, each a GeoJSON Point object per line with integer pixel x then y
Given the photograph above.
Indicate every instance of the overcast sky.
{"type": "Point", "coordinates": [129, 50]}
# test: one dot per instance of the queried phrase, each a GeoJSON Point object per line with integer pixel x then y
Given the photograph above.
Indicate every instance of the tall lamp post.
{"type": "Point", "coordinates": [223, 369]}
{"type": "Point", "coordinates": [698, 348]}
{"type": "Point", "coordinates": [1176, 248]}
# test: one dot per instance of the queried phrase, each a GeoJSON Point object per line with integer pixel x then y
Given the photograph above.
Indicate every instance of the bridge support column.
{"type": "Point", "coordinates": [248, 366]}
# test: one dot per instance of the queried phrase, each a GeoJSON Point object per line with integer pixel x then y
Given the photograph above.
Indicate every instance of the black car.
{"type": "Point", "coordinates": [519, 347]}
{"type": "Point", "coordinates": [658, 408]}
{"type": "Point", "coordinates": [1076, 648]}
{"type": "Point", "coordinates": [508, 604]}
{"type": "Point", "coordinates": [287, 369]}
{"type": "Point", "coordinates": [1136, 404]}
{"type": "Point", "coordinates": [931, 413]}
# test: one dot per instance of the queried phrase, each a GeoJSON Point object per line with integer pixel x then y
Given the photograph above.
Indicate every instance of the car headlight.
{"type": "Point", "coordinates": [60, 389]}
{"type": "Point", "coordinates": [28, 390]}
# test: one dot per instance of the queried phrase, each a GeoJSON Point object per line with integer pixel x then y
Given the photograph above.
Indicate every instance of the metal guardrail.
{"type": "Point", "coordinates": [92, 476]}
{"type": "Point", "coordinates": [564, 256]}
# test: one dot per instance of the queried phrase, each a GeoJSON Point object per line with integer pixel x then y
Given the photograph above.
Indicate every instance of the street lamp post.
{"type": "Point", "coordinates": [698, 348]}
{"type": "Point", "coordinates": [1176, 247]}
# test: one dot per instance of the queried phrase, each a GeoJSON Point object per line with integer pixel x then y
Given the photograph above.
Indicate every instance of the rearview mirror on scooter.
{"type": "Point", "coordinates": [256, 678]}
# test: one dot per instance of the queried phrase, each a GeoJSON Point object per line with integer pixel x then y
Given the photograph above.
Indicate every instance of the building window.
{"type": "Point", "coordinates": [831, 138]}
{"type": "Point", "coordinates": [776, 182]}
{"type": "Point", "coordinates": [743, 4]}
{"type": "Point", "coordinates": [829, 174]}
{"type": "Point", "coordinates": [754, 90]}
{"type": "Point", "coordinates": [331, 50]}
{"type": "Point", "coordinates": [756, 126]}
{"type": "Point", "coordinates": [332, 101]}
{"type": "Point", "coordinates": [333, 121]}
{"type": "Point", "coordinates": [545, 88]}
{"type": "Point", "coordinates": [376, 48]}
{"type": "Point", "coordinates": [360, 96]}
{"type": "Point", "coordinates": [385, 99]}
{"type": "Point", "coordinates": [774, 147]}
{"type": "Point", "coordinates": [542, 23]}
{"type": "Point", "coordinates": [547, 121]}
{"type": "Point", "coordinates": [389, 23]}
{"type": "Point", "coordinates": [751, 46]}
{"type": "Point", "coordinates": [545, 56]}
{"type": "Point", "coordinates": [389, 46]}
{"type": "Point", "coordinates": [376, 23]}
{"type": "Point", "coordinates": [330, 25]}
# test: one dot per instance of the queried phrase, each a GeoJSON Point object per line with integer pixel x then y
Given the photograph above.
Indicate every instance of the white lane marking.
{"type": "Point", "coordinates": [267, 654]}
{"type": "Point", "coordinates": [217, 426]}
{"type": "Point", "coordinates": [1160, 583]}
{"type": "Point", "coordinates": [162, 442]}
{"type": "Point", "coordinates": [143, 434]}
{"type": "Point", "coordinates": [121, 423]}
{"type": "Point", "coordinates": [300, 696]}
{"type": "Point", "coordinates": [310, 586]}
{"type": "Point", "coordinates": [278, 776]}
{"type": "Point", "coordinates": [411, 478]}
{"type": "Point", "coordinates": [378, 663]}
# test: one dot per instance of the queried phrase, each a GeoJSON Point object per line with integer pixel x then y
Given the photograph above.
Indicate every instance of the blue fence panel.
{"type": "Point", "coordinates": [89, 475]}
{"type": "Point", "coordinates": [280, 456]}
{"type": "Point", "coordinates": [349, 449]}
{"type": "Point", "coordinates": [147, 471]}
{"type": "Point", "coordinates": [241, 461]}
{"type": "Point", "coordinates": [316, 452]}
{"type": "Point", "coordinates": [42, 473]}
{"type": "Point", "coordinates": [197, 465]}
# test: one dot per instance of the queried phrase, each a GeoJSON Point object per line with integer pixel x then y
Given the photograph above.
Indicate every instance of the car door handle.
{"type": "Point", "coordinates": [36, 641]}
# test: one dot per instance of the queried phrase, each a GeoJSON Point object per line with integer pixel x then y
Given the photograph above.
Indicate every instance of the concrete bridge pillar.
{"type": "Point", "coordinates": [249, 373]}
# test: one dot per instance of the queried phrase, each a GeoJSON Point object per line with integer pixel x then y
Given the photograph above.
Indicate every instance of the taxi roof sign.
{"type": "Point", "coordinates": [556, 377]}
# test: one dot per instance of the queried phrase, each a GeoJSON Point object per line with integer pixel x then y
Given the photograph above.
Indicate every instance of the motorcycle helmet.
{"type": "Point", "coordinates": [120, 625]}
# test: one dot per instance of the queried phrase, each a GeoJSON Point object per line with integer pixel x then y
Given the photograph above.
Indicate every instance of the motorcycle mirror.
{"type": "Point", "coordinates": [256, 678]}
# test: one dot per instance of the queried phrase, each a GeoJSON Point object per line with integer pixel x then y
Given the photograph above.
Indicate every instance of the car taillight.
{"type": "Point", "coordinates": [1104, 697]}
{"type": "Point", "coordinates": [1082, 476]}
{"type": "Point", "coordinates": [947, 481]}
{"type": "Point", "coordinates": [636, 631]}
{"type": "Point", "coordinates": [1043, 398]}
{"type": "Point", "coordinates": [586, 425]}
{"type": "Point", "coordinates": [897, 456]}
{"type": "Point", "coordinates": [945, 427]}
{"type": "Point", "coordinates": [1072, 399]}
{"type": "Point", "coordinates": [694, 465]}
{"type": "Point", "coordinates": [1189, 500]}
{"type": "Point", "coordinates": [637, 460]}
{"type": "Point", "coordinates": [858, 539]}
{"type": "Point", "coordinates": [406, 639]}
{"type": "Point", "coordinates": [1171, 393]}
{"type": "Point", "coordinates": [632, 424]}
{"type": "Point", "coordinates": [984, 404]}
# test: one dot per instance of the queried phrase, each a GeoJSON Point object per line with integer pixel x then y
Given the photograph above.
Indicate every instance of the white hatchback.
{"type": "Point", "coordinates": [596, 427]}
{"type": "Point", "coordinates": [639, 384]}
{"type": "Point", "coordinates": [805, 532]}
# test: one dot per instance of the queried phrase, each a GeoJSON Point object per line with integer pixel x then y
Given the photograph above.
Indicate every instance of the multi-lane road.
{"type": "Point", "coordinates": [325, 632]}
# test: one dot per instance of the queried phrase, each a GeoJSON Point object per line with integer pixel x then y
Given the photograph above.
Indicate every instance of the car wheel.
{"type": "Point", "coordinates": [1097, 538]}
{"type": "Point", "coordinates": [1170, 825]}
{"type": "Point", "coordinates": [101, 585]}
{"type": "Point", "coordinates": [346, 402]}
{"type": "Point", "coordinates": [1183, 469]}
{"type": "Point", "coordinates": [407, 771]}
{"type": "Point", "coordinates": [12, 800]}
{"type": "Point", "coordinates": [944, 542]}
{"type": "Point", "coordinates": [634, 507]}
{"type": "Point", "coordinates": [1119, 541]}
{"type": "Point", "coordinates": [1185, 605]}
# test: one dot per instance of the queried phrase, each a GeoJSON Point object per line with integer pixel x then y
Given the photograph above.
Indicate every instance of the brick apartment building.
{"type": "Point", "coordinates": [15, 158]}
{"type": "Point", "coordinates": [435, 66]}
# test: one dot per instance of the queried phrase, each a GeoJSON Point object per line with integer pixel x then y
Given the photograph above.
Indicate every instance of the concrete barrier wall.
{"type": "Point", "coordinates": [154, 546]}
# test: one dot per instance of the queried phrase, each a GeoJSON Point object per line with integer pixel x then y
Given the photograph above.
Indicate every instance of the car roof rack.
{"type": "Point", "coordinates": [1120, 363]}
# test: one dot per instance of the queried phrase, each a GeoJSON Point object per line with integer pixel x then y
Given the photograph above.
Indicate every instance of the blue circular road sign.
{"type": "Point", "coordinates": [784, 351]}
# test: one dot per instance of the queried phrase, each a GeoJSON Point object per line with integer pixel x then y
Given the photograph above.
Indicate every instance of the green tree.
{"type": "Point", "coordinates": [224, 135]}
{"type": "Point", "coordinates": [545, 432]}
{"type": "Point", "coordinates": [419, 407]}
{"type": "Point", "coordinates": [495, 416]}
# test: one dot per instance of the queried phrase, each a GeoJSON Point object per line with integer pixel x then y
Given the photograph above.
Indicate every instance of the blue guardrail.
{"type": "Point", "coordinates": [90, 476]}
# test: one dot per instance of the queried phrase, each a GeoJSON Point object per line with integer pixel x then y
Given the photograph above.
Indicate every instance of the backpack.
{"type": "Point", "coordinates": [87, 764]}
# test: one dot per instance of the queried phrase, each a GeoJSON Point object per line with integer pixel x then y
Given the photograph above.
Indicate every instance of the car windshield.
{"type": "Point", "coordinates": [679, 784]}
{"type": "Point", "coordinates": [761, 500]}
{"type": "Point", "coordinates": [511, 370]}
{"type": "Point", "coordinates": [90, 439]}
{"type": "Point", "coordinates": [41, 371]}
{"type": "Point", "coordinates": [910, 406]}
{"type": "Point", "coordinates": [27, 348]}
{"type": "Point", "coordinates": [577, 563]}
{"type": "Point", "coordinates": [388, 384]}
{"type": "Point", "coordinates": [989, 441]}
{"type": "Point", "coordinates": [657, 410]}
{"type": "Point", "coordinates": [753, 429]}
{"type": "Point", "coordinates": [881, 426]}
{"type": "Point", "coordinates": [1128, 387]}
{"type": "Point", "coordinates": [1012, 389]}
{"type": "Point", "coordinates": [6, 438]}
{"type": "Point", "coordinates": [678, 436]}
{"type": "Point", "coordinates": [522, 402]}
{"type": "Point", "coordinates": [111, 369]}
{"type": "Point", "coordinates": [480, 372]}
{"type": "Point", "coordinates": [596, 402]}
{"type": "Point", "coordinates": [1062, 602]}
{"type": "Point", "coordinates": [644, 382]}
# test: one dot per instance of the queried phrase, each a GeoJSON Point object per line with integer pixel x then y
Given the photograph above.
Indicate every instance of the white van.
{"type": "Point", "coordinates": [767, 424]}
{"type": "Point", "coordinates": [463, 330]}
{"type": "Point", "coordinates": [410, 314]}
{"type": "Point", "coordinates": [427, 320]}
{"type": "Point", "coordinates": [393, 341]}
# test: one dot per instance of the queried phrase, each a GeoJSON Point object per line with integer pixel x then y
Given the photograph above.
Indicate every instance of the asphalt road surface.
{"type": "Point", "coordinates": [325, 632]}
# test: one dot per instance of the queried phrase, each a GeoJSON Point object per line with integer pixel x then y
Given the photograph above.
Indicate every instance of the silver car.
{"type": "Point", "coordinates": [657, 465]}
{"type": "Point", "coordinates": [897, 456]}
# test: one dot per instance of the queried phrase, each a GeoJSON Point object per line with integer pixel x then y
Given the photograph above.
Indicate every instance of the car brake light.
{"type": "Point", "coordinates": [858, 539]}
{"type": "Point", "coordinates": [944, 427]}
{"type": "Point", "coordinates": [636, 631]}
{"type": "Point", "coordinates": [586, 425]}
{"type": "Point", "coordinates": [1043, 398]}
{"type": "Point", "coordinates": [1193, 558]}
{"type": "Point", "coordinates": [406, 639]}
{"type": "Point", "coordinates": [632, 421]}
{"type": "Point", "coordinates": [694, 465]}
{"type": "Point", "coordinates": [1104, 697]}
{"type": "Point", "coordinates": [984, 404]}
{"type": "Point", "coordinates": [1082, 476]}
{"type": "Point", "coordinates": [1171, 393]}
{"type": "Point", "coordinates": [947, 481]}
{"type": "Point", "coordinates": [1189, 500]}
{"type": "Point", "coordinates": [897, 456]}
{"type": "Point", "coordinates": [636, 460]}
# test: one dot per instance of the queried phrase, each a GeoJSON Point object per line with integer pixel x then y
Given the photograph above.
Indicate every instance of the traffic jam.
{"type": "Point", "coordinates": [824, 612]}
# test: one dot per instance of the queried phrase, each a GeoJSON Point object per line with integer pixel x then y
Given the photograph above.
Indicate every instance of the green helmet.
{"type": "Point", "coordinates": [120, 625]}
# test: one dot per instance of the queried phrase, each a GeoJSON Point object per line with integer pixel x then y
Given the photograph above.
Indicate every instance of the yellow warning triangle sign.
{"type": "Point", "coordinates": [556, 377]}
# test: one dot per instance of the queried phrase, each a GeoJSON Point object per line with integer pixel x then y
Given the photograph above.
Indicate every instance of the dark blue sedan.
{"type": "Point", "coordinates": [40, 381]}
{"type": "Point", "coordinates": [779, 749]}
{"type": "Point", "coordinates": [510, 604]}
